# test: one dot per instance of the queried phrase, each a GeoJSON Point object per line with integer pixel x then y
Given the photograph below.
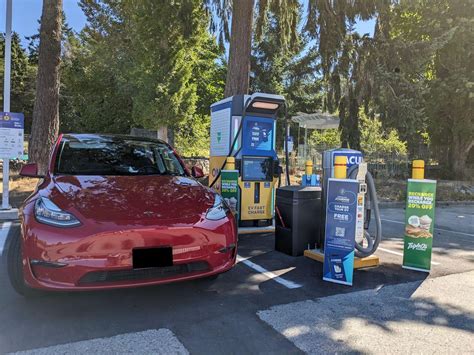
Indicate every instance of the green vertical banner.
{"type": "Point", "coordinates": [419, 224]}
{"type": "Point", "coordinates": [230, 189]}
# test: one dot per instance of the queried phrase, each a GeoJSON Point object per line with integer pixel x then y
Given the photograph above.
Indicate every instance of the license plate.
{"type": "Point", "coordinates": [152, 257]}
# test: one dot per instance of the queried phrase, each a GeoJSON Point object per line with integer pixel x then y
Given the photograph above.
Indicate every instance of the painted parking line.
{"type": "Point", "coordinates": [4, 229]}
{"type": "Point", "coordinates": [436, 228]}
{"type": "Point", "coordinates": [401, 254]}
{"type": "Point", "coordinates": [153, 341]}
{"type": "Point", "coordinates": [267, 273]}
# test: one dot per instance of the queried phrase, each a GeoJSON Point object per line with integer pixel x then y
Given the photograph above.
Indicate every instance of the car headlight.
{"type": "Point", "coordinates": [218, 210]}
{"type": "Point", "coordinates": [48, 213]}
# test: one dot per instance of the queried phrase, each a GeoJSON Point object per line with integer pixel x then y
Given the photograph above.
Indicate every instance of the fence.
{"type": "Point", "coordinates": [380, 164]}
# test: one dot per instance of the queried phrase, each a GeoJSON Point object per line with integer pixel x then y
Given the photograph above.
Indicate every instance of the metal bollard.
{"type": "Point", "coordinates": [418, 169]}
{"type": "Point", "coordinates": [340, 167]}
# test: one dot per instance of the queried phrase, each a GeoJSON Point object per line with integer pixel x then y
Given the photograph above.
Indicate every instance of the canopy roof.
{"type": "Point", "coordinates": [317, 120]}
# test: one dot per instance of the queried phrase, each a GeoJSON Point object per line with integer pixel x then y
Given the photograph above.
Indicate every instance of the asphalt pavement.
{"type": "Point", "coordinates": [268, 303]}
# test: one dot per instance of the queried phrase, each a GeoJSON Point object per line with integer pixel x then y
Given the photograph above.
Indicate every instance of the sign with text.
{"type": "Point", "coordinates": [419, 224]}
{"type": "Point", "coordinates": [230, 189]}
{"type": "Point", "coordinates": [341, 212]}
{"type": "Point", "coordinates": [11, 135]}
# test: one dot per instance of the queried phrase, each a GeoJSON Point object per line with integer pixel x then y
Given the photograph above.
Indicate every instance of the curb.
{"type": "Point", "coordinates": [9, 215]}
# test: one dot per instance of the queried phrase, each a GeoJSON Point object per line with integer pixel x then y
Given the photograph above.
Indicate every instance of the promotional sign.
{"type": "Point", "coordinates": [419, 224]}
{"type": "Point", "coordinates": [11, 135]}
{"type": "Point", "coordinates": [341, 211]}
{"type": "Point", "coordinates": [290, 144]}
{"type": "Point", "coordinates": [230, 189]}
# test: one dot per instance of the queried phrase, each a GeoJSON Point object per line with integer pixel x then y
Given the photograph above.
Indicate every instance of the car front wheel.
{"type": "Point", "coordinates": [15, 268]}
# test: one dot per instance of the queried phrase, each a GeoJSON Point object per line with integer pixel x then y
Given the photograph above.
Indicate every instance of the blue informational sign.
{"type": "Point", "coordinates": [290, 144]}
{"type": "Point", "coordinates": [258, 135]}
{"type": "Point", "coordinates": [11, 135]}
{"type": "Point", "coordinates": [353, 156]}
{"type": "Point", "coordinates": [341, 211]}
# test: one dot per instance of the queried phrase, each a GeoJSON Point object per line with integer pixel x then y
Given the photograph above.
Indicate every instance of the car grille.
{"type": "Point", "coordinates": [142, 274]}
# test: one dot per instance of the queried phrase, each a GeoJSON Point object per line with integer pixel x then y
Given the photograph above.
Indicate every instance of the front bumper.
{"type": "Point", "coordinates": [75, 259]}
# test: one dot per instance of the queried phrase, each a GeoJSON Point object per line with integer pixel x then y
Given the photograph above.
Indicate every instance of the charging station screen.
{"type": "Point", "coordinates": [259, 135]}
{"type": "Point", "coordinates": [257, 169]}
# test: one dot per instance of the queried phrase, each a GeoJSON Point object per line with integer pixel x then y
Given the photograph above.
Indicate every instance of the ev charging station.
{"type": "Point", "coordinates": [245, 169]}
{"type": "Point", "coordinates": [244, 127]}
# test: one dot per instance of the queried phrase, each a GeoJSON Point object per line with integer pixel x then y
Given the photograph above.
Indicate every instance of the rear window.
{"type": "Point", "coordinates": [115, 156]}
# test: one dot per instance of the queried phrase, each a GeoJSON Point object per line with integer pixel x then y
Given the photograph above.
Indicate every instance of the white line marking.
{"type": "Point", "coordinates": [400, 254]}
{"type": "Point", "coordinates": [267, 273]}
{"type": "Point", "coordinates": [4, 229]}
{"type": "Point", "coordinates": [438, 229]}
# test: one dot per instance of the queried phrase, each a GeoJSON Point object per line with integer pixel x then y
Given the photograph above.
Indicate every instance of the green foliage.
{"type": "Point", "coordinates": [23, 78]}
{"type": "Point", "coordinates": [330, 138]}
{"type": "Point", "coordinates": [144, 64]}
{"type": "Point", "coordinates": [375, 140]}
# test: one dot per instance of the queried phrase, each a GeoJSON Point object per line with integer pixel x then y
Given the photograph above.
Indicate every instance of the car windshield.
{"type": "Point", "coordinates": [115, 156]}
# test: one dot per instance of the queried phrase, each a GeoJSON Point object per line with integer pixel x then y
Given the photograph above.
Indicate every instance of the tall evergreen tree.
{"type": "Point", "coordinates": [45, 127]}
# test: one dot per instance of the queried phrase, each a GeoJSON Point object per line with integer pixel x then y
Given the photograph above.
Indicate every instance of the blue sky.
{"type": "Point", "coordinates": [26, 14]}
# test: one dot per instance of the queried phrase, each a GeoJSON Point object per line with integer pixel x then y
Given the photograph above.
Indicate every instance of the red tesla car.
{"type": "Point", "coordinates": [118, 211]}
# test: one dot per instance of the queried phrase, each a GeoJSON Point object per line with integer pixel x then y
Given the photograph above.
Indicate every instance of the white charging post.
{"type": "Point", "coordinates": [6, 99]}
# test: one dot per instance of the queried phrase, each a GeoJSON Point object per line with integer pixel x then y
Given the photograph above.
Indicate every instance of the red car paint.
{"type": "Point", "coordinates": [118, 214]}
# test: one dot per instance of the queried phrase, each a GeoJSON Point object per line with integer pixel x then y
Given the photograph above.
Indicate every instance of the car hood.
{"type": "Point", "coordinates": [118, 198]}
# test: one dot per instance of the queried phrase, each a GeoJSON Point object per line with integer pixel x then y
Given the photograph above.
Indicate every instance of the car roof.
{"type": "Point", "coordinates": [101, 136]}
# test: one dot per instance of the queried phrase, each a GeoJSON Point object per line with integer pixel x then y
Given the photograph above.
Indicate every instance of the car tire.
{"type": "Point", "coordinates": [15, 268]}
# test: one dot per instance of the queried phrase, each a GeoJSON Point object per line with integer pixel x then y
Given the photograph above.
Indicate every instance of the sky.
{"type": "Point", "coordinates": [26, 14]}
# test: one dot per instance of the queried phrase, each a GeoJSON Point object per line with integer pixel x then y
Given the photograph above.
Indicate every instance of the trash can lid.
{"type": "Point", "coordinates": [299, 192]}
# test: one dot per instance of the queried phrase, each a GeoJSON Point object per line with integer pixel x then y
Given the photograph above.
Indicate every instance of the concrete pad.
{"type": "Point", "coordinates": [9, 215]}
{"type": "Point", "coordinates": [161, 341]}
{"type": "Point", "coordinates": [433, 316]}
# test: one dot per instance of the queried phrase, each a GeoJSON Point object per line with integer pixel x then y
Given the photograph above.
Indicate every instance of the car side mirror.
{"type": "Point", "coordinates": [30, 170]}
{"type": "Point", "coordinates": [197, 172]}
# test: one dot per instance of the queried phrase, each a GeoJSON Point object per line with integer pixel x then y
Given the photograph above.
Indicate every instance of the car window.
{"type": "Point", "coordinates": [116, 156]}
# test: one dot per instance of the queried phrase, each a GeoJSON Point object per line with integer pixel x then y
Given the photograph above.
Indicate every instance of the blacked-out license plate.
{"type": "Point", "coordinates": [152, 257]}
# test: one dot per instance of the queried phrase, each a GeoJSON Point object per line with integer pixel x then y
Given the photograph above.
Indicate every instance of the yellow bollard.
{"type": "Point", "coordinates": [418, 169]}
{"type": "Point", "coordinates": [340, 167]}
{"type": "Point", "coordinates": [309, 168]}
{"type": "Point", "coordinates": [230, 163]}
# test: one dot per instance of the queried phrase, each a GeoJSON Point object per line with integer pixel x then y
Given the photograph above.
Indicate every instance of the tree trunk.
{"type": "Point", "coordinates": [458, 156]}
{"type": "Point", "coordinates": [237, 81]}
{"type": "Point", "coordinates": [45, 129]}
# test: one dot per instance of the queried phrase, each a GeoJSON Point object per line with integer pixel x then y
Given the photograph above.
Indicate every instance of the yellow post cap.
{"type": "Point", "coordinates": [340, 167]}
{"type": "Point", "coordinates": [309, 167]}
{"type": "Point", "coordinates": [230, 163]}
{"type": "Point", "coordinates": [418, 169]}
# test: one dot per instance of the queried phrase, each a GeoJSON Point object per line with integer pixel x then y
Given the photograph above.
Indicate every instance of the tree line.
{"type": "Point", "coordinates": [146, 63]}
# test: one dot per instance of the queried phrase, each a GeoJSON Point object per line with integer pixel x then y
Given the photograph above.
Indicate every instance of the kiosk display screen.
{"type": "Point", "coordinates": [259, 134]}
{"type": "Point", "coordinates": [257, 169]}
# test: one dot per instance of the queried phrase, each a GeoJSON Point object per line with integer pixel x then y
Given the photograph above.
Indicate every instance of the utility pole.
{"type": "Point", "coordinates": [6, 98]}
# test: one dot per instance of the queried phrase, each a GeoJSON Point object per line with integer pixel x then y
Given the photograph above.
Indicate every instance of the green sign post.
{"type": "Point", "coordinates": [230, 189]}
{"type": "Point", "coordinates": [419, 224]}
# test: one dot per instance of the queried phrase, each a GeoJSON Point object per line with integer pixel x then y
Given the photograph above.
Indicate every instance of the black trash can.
{"type": "Point", "coordinates": [297, 219]}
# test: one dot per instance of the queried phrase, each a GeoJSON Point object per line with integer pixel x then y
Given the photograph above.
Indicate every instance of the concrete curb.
{"type": "Point", "coordinates": [397, 204]}
{"type": "Point", "coordinates": [9, 215]}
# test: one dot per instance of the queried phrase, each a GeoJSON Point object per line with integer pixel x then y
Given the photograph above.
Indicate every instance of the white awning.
{"type": "Point", "coordinates": [318, 120]}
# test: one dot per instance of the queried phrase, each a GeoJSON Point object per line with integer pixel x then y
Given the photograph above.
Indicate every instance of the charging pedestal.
{"type": "Point", "coordinates": [330, 166]}
{"type": "Point", "coordinates": [243, 127]}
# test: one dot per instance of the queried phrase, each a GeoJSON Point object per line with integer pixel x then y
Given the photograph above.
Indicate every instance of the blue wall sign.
{"type": "Point", "coordinates": [341, 210]}
{"type": "Point", "coordinates": [11, 135]}
{"type": "Point", "coordinates": [354, 157]}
